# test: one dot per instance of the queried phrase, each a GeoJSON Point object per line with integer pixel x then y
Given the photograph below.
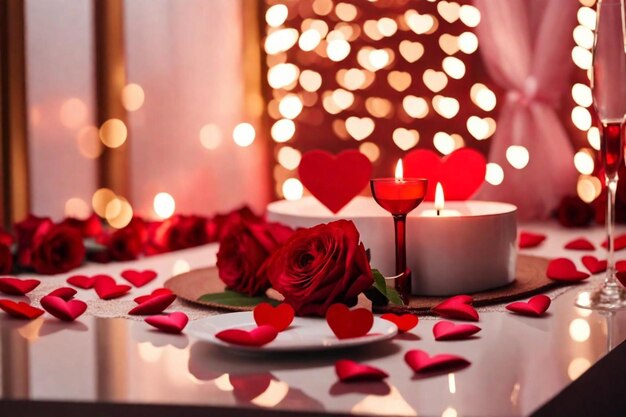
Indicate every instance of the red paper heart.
{"type": "Point", "coordinates": [139, 278]}
{"type": "Point", "coordinates": [258, 336]}
{"type": "Point", "coordinates": [349, 371]}
{"type": "Point", "coordinates": [619, 242]}
{"type": "Point", "coordinates": [169, 323]}
{"type": "Point", "coordinates": [85, 282]}
{"type": "Point", "coordinates": [530, 240]}
{"type": "Point", "coordinates": [16, 286]}
{"type": "Point", "coordinates": [534, 307]}
{"type": "Point", "coordinates": [65, 293]}
{"type": "Point", "coordinates": [158, 291]}
{"type": "Point", "coordinates": [457, 307]}
{"type": "Point", "coordinates": [460, 173]}
{"type": "Point", "coordinates": [419, 361]}
{"type": "Point", "coordinates": [335, 179]}
{"type": "Point", "coordinates": [346, 323]}
{"type": "Point", "coordinates": [107, 288]}
{"type": "Point", "coordinates": [404, 322]}
{"type": "Point", "coordinates": [153, 305]}
{"type": "Point", "coordinates": [580, 244]}
{"type": "Point", "coordinates": [563, 269]}
{"type": "Point", "coordinates": [593, 264]}
{"type": "Point", "coordinates": [446, 330]}
{"type": "Point", "coordinates": [621, 277]}
{"type": "Point", "coordinates": [61, 309]}
{"type": "Point", "coordinates": [20, 310]}
{"type": "Point", "coordinates": [280, 317]}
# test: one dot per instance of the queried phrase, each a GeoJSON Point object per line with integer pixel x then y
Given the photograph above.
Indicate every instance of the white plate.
{"type": "Point", "coordinates": [303, 334]}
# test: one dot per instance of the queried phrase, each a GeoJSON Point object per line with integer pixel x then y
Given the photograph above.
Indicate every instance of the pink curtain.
{"type": "Point", "coordinates": [526, 46]}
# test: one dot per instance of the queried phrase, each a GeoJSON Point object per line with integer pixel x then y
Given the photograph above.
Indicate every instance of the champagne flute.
{"type": "Point", "coordinates": [608, 85]}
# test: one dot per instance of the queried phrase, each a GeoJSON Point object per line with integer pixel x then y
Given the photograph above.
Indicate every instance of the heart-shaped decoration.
{"type": "Point", "coordinates": [20, 310]}
{"type": "Point", "coordinates": [405, 139]}
{"type": "Point", "coordinates": [153, 305]}
{"type": "Point", "coordinates": [620, 265]}
{"type": "Point", "coordinates": [419, 23]}
{"type": "Point", "coordinates": [446, 330]}
{"type": "Point", "coordinates": [449, 11]}
{"type": "Point", "coordinates": [563, 269]}
{"type": "Point", "coordinates": [580, 244]}
{"type": "Point", "coordinates": [85, 282]}
{"type": "Point", "coordinates": [346, 323]}
{"type": "Point", "coordinates": [16, 286]}
{"type": "Point", "coordinates": [349, 371]}
{"type": "Point", "coordinates": [534, 307]}
{"type": "Point", "coordinates": [157, 292]}
{"type": "Point", "coordinates": [107, 288]}
{"type": "Point", "coordinates": [139, 278]}
{"type": "Point", "coordinates": [259, 336]}
{"type": "Point", "coordinates": [335, 180]}
{"type": "Point", "coordinates": [61, 309]}
{"type": "Point", "coordinates": [399, 80]}
{"type": "Point", "coordinates": [359, 127]}
{"type": "Point", "coordinates": [411, 51]}
{"type": "Point", "coordinates": [479, 128]}
{"type": "Point", "coordinates": [65, 293]}
{"type": "Point", "coordinates": [619, 242]}
{"type": "Point", "coordinates": [435, 80]}
{"type": "Point", "coordinates": [621, 277]}
{"type": "Point", "coordinates": [461, 173]}
{"type": "Point", "coordinates": [449, 43]}
{"type": "Point", "coordinates": [530, 240]}
{"type": "Point", "coordinates": [447, 107]}
{"type": "Point", "coordinates": [593, 264]}
{"type": "Point", "coordinates": [169, 323]}
{"type": "Point", "coordinates": [419, 361]}
{"type": "Point", "coordinates": [404, 322]}
{"type": "Point", "coordinates": [279, 317]}
{"type": "Point", "coordinates": [458, 307]}
{"type": "Point", "coordinates": [415, 107]}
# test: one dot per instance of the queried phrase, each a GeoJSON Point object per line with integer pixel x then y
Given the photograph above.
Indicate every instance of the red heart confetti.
{"type": "Point", "coordinates": [169, 323]}
{"type": "Point", "coordinates": [335, 179]}
{"type": "Point", "coordinates": [534, 307]}
{"type": "Point", "coordinates": [619, 242]}
{"type": "Point", "coordinates": [157, 292]}
{"type": "Point", "coordinates": [530, 240]}
{"type": "Point", "coordinates": [349, 371]}
{"type": "Point", "coordinates": [457, 307]}
{"type": "Point", "coordinates": [593, 264]}
{"type": "Point", "coordinates": [346, 323]}
{"type": "Point", "coordinates": [621, 277]}
{"type": "Point", "coordinates": [580, 244]}
{"type": "Point", "coordinates": [61, 309]}
{"type": "Point", "coordinates": [20, 310]}
{"type": "Point", "coordinates": [153, 305]}
{"type": "Point", "coordinates": [256, 337]}
{"type": "Point", "coordinates": [16, 286]}
{"type": "Point", "coordinates": [446, 330]}
{"type": "Point", "coordinates": [419, 361]}
{"type": "Point", "coordinates": [563, 269]}
{"type": "Point", "coordinates": [404, 322]}
{"type": "Point", "coordinates": [85, 282]}
{"type": "Point", "coordinates": [620, 265]}
{"type": "Point", "coordinates": [280, 317]}
{"type": "Point", "coordinates": [107, 288]}
{"type": "Point", "coordinates": [139, 278]}
{"type": "Point", "coordinates": [65, 293]}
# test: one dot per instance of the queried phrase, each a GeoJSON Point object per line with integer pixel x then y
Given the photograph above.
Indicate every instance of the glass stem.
{"type": "Point", "coordinates": [403, 284]}
{"type": "Point", "coordinates": [611, 185]}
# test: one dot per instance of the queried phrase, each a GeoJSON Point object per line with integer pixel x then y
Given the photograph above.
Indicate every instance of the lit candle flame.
{"type": "Point", "coordinates": [399, 171]}
{"type": "Point", "coordinates": [439, 198]}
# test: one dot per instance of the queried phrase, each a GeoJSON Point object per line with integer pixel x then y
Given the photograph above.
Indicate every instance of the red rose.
{"type": "Point", "coordinates": [5, 238]}
{"type": "Point", "coordinates": [56, 249]}
{"type": "Point", "coordinates": [321, 266]}
{"type": "Point", "coordinates": [222, 222]}
{"type": "Point", "coordinates": [574, 212]}
{"type": "Point", "coordinates": [244, 248]}
{"type": "Point", "coordinates": [125, 244]}
{"type": "Point", "coordinates": [25, 232]}
{"type": "Point", "coordinates": [181, 232]}
{"type": "Point", "coordinates": [89, 227]}
{"type": "Point", "coordinates": [6, 259]}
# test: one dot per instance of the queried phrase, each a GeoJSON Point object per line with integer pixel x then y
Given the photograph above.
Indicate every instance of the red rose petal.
{"type": "Point", "coordinates": [65, 293]}
{"type": "Point", "coordinates": [139, 278]}
{"type": "Point", "coordinates": [619, 242]}
{"type": "Point", "coordinates": [530, 240]}
{"type": "Point", "coordinates": [346, 323]}
{"type": "Point", "coordinates": [61, 309]}
{"type": "Point", "coordinates": [419, 361]}
{"type": "Point", "coordinates": [580, 244]}
{"type": "Point", "coordinates": [563, 269]}
{"type": "Point", "coordinates": [457, 307]}
{"type": "Point", "coordinates": [280, 317]}
{"type": "Point", "coordinates": [20, 310]}
{"type": "Point", "coordinates": [534, 307]}
{"type": "Point", "coordinates": [169, 323]}
{"type": "Point", "coordinates": [16, 286]}
{"type": "Point", "coordinates": [153, 305]}
{"type": "Point", "coordinates": [446, 330]}
{"type": "Point", "coordinates": [258, 336]}
{"type": "Point", "coordinates": [158, 291]}
{"type": "Point", "coordinates": [593, 264]}
{"type": "Point", "coordinates": [349, 371]}
{"type": "Point", "coordinates": [404, 322]}
{"type": "Point", "coordinates": [107, 289]}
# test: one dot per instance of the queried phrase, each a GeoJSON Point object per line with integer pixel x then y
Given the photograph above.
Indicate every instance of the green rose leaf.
{"type": "Point", "coordinates": [380, 283]}
{"type": "Point", "coordinates": [235, 299]}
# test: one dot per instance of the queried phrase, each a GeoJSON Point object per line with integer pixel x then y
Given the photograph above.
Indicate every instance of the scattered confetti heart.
{"type": "Point", "coordinates": [153, 305]}
{"type": "Point", "coordinates": [446, 330]}
{"type": "Point", "coordinates": [349, 371]}
{"type": "Point", "coordinates": [85, 282]}
{"type": "Point", "coordinates": [65, 293]}
{"type": "Point", "coordinates": [158, 291]}
{"type": "Point", "coordinates": [139, 278]}
{"type": "Point", "coordinates": [457, 307]}
{"type": "Point", "coordinates": [580, 244]}
{"type": "Point", "coordinates": [280, 317]}
{"type": "Point", "coordinates": [346, 323]}
{"type": "Point", "coordinates": [404, 322]}
{"type": "Point", "coordinates": [20, 310]}
{"type": "Point", "coordinates": [593, 264]}
{"type": "Point", "coordinates": [169, 323]}
{"type": "Point", "coordinates": [620, 265]}
{"type": "Point", "coordinates": [563, 269]}
{"type": "Point", "coordinates": [61, 309]}
{"type": "Point", "coordinates": [258, 336]}
{"type": "Point", "coordinates": [108, 289]}
{"type": "Point", "coordinates": [621, 277]}
{"type": "Point", "coordinates": [534, 307]}
{"type": "Point", "coordinates": [530, 240]}
{"type": "Point", "coordinates": [16, 286]}
{"type": "Point", "coordinates": [419, 361]}
{"type": "Point", "coordinates": [619, 242]}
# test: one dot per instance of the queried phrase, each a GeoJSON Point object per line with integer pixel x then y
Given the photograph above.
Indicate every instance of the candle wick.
{"type": "Point", "coordinates": [438, 212]}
